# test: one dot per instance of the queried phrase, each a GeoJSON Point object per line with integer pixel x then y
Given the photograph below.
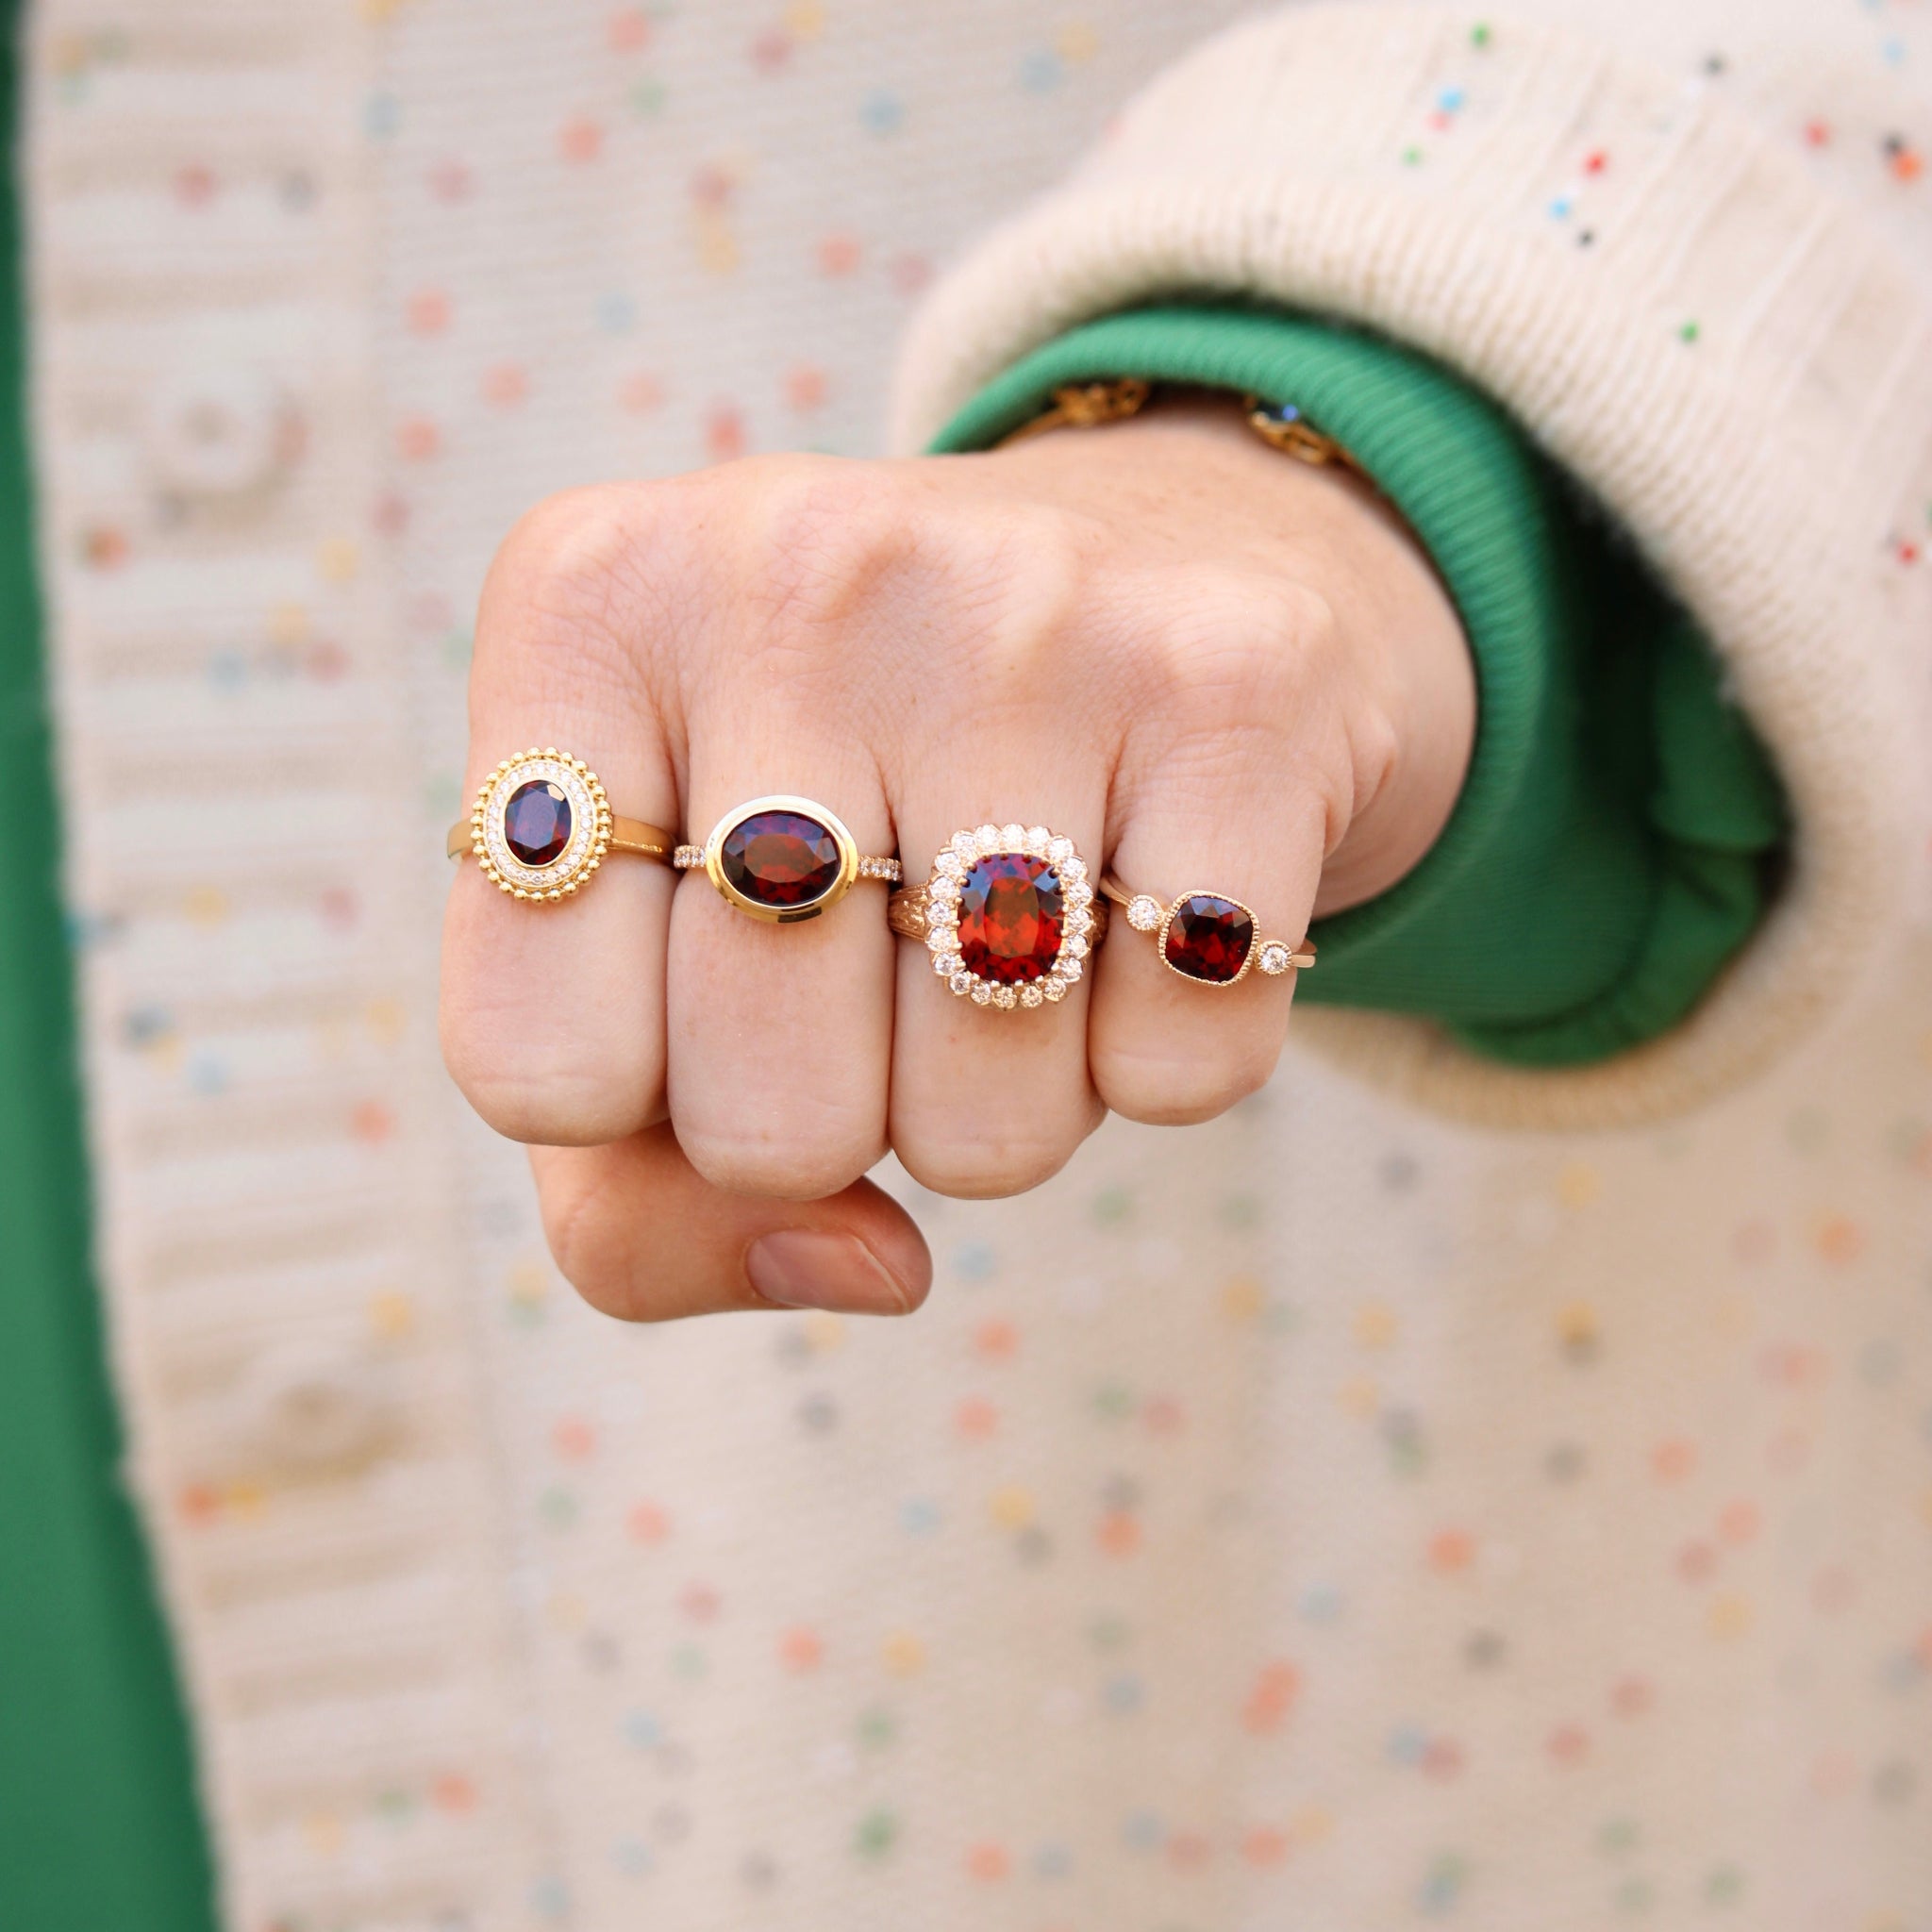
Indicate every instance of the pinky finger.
{"type": "Point", "coordinates": [641, 1234]}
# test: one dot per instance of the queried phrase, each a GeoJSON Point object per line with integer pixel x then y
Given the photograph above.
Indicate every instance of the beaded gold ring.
{"type": "Point", "coordinates": [541, 826]}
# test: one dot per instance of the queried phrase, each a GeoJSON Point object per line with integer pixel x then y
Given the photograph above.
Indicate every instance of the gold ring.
{"type": "Point", "coordinates": [542, 825]}
{"type": "Point", "coordinates": [1008, 915]}
{"type": "Point", "coordinates": [783, 859]}
{"type": "Point", "coordinates": [1206, 937]}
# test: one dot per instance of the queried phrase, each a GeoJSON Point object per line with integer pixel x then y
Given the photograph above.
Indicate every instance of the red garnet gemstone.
{"type": "Point", "coordinates": [780, 858]}
{"type": "Point", "coordinates": [1208, 938]}
{"type": "Point", "coordinates": [1010, 911]}
{"type": "Point", "coordinates": [536, 821]}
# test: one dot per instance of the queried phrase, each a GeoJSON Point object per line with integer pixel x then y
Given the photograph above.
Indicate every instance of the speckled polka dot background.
{"type": "Point", "coordinates": [1326, 1519]}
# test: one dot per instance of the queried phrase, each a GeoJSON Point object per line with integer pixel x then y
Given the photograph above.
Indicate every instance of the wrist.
{"type": "Point", "coordinates": [1398, 675]}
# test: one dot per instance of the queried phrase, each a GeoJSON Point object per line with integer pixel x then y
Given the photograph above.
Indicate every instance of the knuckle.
{"type": "Point", "coordinates": [554, 1109]}
{"type": "Point", "coordinates": [587, 1239]}
{"type": "Point", "coordinates": [1181, 1090]}
{"type": "Point", "coordinates": [580, 572]}
{"type": "Point", "coordinates": [803, 1166]}
{"type": "Point", "coordinates": [823, 530]}
{"type": "Point", "coordinates": [1244, 648]}
{"type": "Point", "coordinates": [987, 1165]}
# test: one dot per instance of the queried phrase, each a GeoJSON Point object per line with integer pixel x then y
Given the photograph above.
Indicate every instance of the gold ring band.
{"type": "Point", "coordinates": [1206, 937]}
{"type": "Point", "coordinates": [542, 825]}
{"type": "Point", "coordinates": [783, 858]}
{"type": "Point", "coordinates": [1009, 915]}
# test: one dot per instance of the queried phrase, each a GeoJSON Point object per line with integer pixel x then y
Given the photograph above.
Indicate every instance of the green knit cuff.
{"type": "Point", "coordinates": [1603, 862]}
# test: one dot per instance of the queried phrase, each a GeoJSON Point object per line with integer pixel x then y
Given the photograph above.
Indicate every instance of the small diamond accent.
{"type": "Point", "coordinates": [1273, 957]}
{"type": "Point", "coordinates": [1068, 968]}
{"type": "Point", "coordinates": [1005, 998]}
{"type": "Point", "coordinates": [1012, 837]}
{"type": "Point", "coordinates": [1143, 912]}
{"type": "Point", "coordinates": [950, 865]}
{"type": "Point", "coordinates": [1030, 994]}
{"type": "Point", "coordinates": [944, 890]}
{"type": "Point", "coordinates": [987, 841]}
{"type": "Point", "coordinates": [1038, 838]}
{"type": "Point", "coordinates": [947, 964]}
{"type": "Point", "coordinates": [1051, 989]}
{"type": "Point", "coordinates": [982, 992]}
{"type": "Point", "coordinates": [1077, 945]}
{"type": "Point", "coordinates": [961, 981]}
{"type": "Point", "coordinates": [939, 938]}
{"type": "Point", "coordinates": [966, 846]}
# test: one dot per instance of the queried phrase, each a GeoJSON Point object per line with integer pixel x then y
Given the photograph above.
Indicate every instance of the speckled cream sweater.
{"type": "Point", "coordinates": [1344, 1516]}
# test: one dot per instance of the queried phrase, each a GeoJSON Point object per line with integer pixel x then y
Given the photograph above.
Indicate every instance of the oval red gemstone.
{"type": "Point", "coordinates": [780, 858]}
{"type": "Point", "coordinates": [1208, 938]}
{"type": "Point", "coordinates": [1010, 915]}
{"type": "Point", "coordinates": [537, 821]}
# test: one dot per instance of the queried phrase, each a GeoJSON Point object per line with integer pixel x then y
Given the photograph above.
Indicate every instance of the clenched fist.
{"type": "Point", "coordinates": [1207, 664]}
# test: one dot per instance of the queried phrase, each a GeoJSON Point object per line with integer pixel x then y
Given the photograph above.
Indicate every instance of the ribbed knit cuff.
{"type": "Point", "coordinates": [1601, 866]}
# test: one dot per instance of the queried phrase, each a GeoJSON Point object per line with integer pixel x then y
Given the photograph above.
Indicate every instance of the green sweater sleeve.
{"type": "Point", "coordinates": [1615, 840]}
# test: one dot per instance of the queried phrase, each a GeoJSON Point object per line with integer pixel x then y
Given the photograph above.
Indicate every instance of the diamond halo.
{"type": "Point", "coordinates": [953, 867]}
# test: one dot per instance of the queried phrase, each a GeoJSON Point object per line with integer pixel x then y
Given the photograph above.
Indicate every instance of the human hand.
{"type": "Point", "coordinates": [1205, 662]}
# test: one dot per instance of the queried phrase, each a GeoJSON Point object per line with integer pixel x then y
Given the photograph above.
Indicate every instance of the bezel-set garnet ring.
{"type": "Point", "coordinates": [1009, 915]}
{"type": "Point", "coordinates": [1206, 937]}
{"type": "Point", "coordinates": [541, 826]}
{"type": "Point", "coordinates": [783, 859]}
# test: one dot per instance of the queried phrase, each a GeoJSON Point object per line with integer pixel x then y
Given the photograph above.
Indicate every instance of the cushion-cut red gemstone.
{"type": "Point", "coordinates": [1208, 938]}
{"type": "Point", "coordinates": [536, 821]}
{"type": "Point", "coordinates": [780, 858]}
{"type": "Point", "coordinates": [1010, 914]}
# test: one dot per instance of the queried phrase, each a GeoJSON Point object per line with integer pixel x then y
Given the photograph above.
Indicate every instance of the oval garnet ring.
{"type": "Point", "coordinates": [783, 859]}
{"type": "Point", "coordinates": [1008, 915]}
{"type": "Point", "coordinates": [541, 826]}
{"type": "Point", "coordinates": [1206, 937]}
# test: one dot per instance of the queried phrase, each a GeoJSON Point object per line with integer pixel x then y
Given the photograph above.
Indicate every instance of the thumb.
{"type": "Point", "coordinates": [642, 1236]}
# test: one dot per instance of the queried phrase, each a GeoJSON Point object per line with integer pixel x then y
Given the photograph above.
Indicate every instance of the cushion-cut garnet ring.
{"type": "Point", "coordinates": [1204, 937]}
{"type": "Point", "coordinates": [541, 826]}
{"type": "Point", "coordinates": [783, 859]}
{"type": "Point", "coordinates": [1009, 915]}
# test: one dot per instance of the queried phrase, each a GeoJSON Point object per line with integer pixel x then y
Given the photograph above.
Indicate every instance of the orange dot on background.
{"type": "Point", "coordinates": [629, 31]}
{"type": "Point", "coordinates": [1632, 1696]}
{"type": "Point", "coordinates": [1162, 1415]}
{"type": "Point", "coordinates": [805, 388]}
{"type": "Point", "coordinates": [1272, 1698]}
{"type": "Point", "coordinates": [1119, 1533]}
{"type": "Point", "coordinates": [427, 313]}
{"type": "Point", "coordinates": [996, 1339]}
{"type": "Point", "coordinates": [987, 1862]}
{"type": "Point", "coordinates": [801, 1650]}
{"type": "Point", "coordinates": [1568, 1744]}
{"type": "Point", "coordinates": [199, 1502]}
{"type": "Point", "coordinates": [1908, 164]}
{"type": "Point", "coordinates": [417, 439]}
{"type": "Point", "coordinates": [975, 1418]}
{"type": "Point", "coordinates": [641, 392]}
{"type": "Point", "coordinates": [840, 254]}
{"type": "Point", "coordinates": [647, 1523]}
{"type": "Point", "coordinates": [574, 1439]}
{"type": "Point", "coordinates": [724, 437]}
{"type": "Point", "coordinates": [1738, 1521]}
{"type": "Point", "coordinates": [506, 384]}
{"type": "Point", "coordinates": [1264, 1845]}
{"type": "Point", "coordinates": [1838, 1239]}
{"type": "Point", "coordinates": [373, 1122]}
{"type": "Point", "coordinates": [1450, 1551]}
{"type": "Point", "coordinates": [582, 140]}
{"type": "Point", "coordinates": [453, 1792]}
{"type": "Point", "coordinates": [1696, 1561]}
{"type": "Point", "coordinates": [1673, 1459]}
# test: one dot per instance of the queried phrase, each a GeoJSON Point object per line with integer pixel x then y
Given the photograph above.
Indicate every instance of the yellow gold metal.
{"type": "Point", "coordinates": [595, 830]}
{"type": "Point", "coordinates": [1082, 405]}
{"type": "Point", "coordinates": [853, 865]}
{"type": "Point", "coordinates": [1290, 953]}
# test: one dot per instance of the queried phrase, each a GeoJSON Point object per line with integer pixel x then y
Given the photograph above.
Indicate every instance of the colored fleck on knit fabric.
{"type": "Point", "coordinates": [1608, 854]}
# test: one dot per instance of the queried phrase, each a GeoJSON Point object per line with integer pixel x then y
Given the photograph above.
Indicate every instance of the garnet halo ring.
{"type": "Point", "coordinates": [541, 826]}
{"type": "Point", "coordinates": [1206, 937]}
{"type": "Point", "coordinates": [783, 859]}
{"type": "Point", "coordinates": [1008, 915]}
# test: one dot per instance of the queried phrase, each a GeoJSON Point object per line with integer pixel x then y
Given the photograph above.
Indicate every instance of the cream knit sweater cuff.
{"type": "Point", "coordinates": [1735, 361]}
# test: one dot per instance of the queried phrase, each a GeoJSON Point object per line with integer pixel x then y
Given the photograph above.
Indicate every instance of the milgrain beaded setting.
{"type": "Point", "coordinates": [951, 871]}
{"type": "Point", "coordinates": [589, 828]}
